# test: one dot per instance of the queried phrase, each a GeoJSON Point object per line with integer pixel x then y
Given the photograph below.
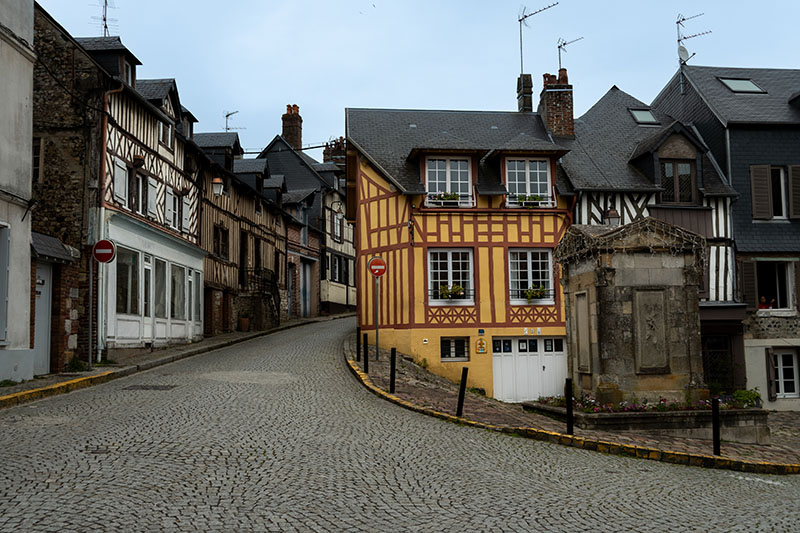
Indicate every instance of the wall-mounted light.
{"type": "Point", "coordinates": [138, 160]}
{"type": "Point", "coordinates": [612, 217]}
{"type": "Point", "coordinates": [217, 185]}
{"type": "Point", "coordinates": [339, 208]}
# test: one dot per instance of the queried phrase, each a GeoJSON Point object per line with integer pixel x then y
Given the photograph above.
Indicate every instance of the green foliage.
{"type": "Point", "coordinates": [451, 291]}
{"type": "Point", "coordinates": [76, 365]}
{"type": "Point", "coordinates": [423, 363]}
{"type": "Point", "coordinates": [747, 398]}
{"type": "Point", "coordinates": [9, 383]}
{"type": "Point", "coordinates": [536, 292]}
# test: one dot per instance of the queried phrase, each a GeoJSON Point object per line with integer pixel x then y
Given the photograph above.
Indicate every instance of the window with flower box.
{"type": "Point", "coordinates": [450, 277]}
{"type": "Point", "coordinates": [530, 276]}
{"type": "Point", "coordinates": [448, 182]}
{"type": "Point", "coordinates": [528, 183]}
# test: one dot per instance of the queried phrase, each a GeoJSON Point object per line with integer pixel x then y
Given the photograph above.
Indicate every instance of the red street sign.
{"type": "Point", "coordinates": [104, 251]}
{"type": "Point", "coordinates": [377, 266]}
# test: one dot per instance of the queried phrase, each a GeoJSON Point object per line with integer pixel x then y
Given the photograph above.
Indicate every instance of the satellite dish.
{"type": "Point", "coordinates": [683, 53]}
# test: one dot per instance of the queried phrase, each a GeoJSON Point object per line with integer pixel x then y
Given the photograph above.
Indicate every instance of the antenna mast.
{"type": "Point", "coordinates": [522, 17]}
{"type": "Point", "coordinates": [562, 46]}
{"type": "Point", "coordinates": [228, 115]}
{"type": "Point", "coordinates": [683, 53]}
{"type": "Point", "coordinates": [104, 20]}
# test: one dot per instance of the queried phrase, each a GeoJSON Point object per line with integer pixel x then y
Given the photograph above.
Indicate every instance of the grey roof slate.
{"type": "Point", "coordinates": [155, 89]}
{"type": "Point", "coordinates": [102, 44]}
{"type": "Point", "coordinates": [49, 247]}
{"type": "Point", "coordinates": [249, 166]}
{"type": "Point", "coordinates": [296, 167]}
{"type": "Point", "coordinates": [297, 196]}
{"type": "Point", "coordinates": [389, 136]}
{"type": "Point", "coordinates": [607, 139]}
{"type": "Point", "coordinates": [772, 107]}
{"type": "Point", "coordinates": [222, 139]}
{"type": "Point", "coordinates": [275, 181]}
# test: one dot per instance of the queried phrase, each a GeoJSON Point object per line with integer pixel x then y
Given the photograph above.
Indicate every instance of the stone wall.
{"type": "Point", "coordinates": [771, 326]}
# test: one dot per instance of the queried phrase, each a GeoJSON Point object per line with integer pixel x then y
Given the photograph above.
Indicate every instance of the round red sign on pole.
{"type": "Point", "coordinates": [377, 266]}
{"type": "Point", "coordinates": [104, 251]}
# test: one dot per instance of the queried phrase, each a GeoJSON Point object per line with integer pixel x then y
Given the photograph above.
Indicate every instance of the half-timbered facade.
{"type": "Point", "coordinates": [750, 119]}
{"type": "Point", "coordinates": [464, 208]}
{"type": "Point", "coordinates": [150, 294]}
{"type": "Point", "coordinates": [244, 236]}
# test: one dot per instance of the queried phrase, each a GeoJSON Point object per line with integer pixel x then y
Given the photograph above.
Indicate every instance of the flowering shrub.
{"type": "Point", "coordinates": [587, 404]}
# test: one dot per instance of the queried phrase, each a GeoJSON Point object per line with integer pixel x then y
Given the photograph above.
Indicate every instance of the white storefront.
{"type": "Point", "coordinates": [153, 288]}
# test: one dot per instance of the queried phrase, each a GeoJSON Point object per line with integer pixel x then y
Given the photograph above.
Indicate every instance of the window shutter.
{"type": "Point", "coordinates": [120, 181]}
{"type": "Point", "coordinates": [5, 247]}
{"type": "Point", "coordinates": [168, 206]}
{"type": "Point", "coordinates": [771, 389]}
{"type": "Point", "coordinates": [749, 285]}
{"type": "Point", "coordinates": [794, 191]}
{"type": "Point", "coordinates": [333, 227]}
{"type": "Point", "coordinates": [185, 217]}
{"type": "Point", "coordinates": [152, 190]}
{"type": "Point", "coordinates": [341, 228]}
{"type": "Point", "coordinates": [761, 191]}
{"type": "Point", "coordinates": [346, 276]}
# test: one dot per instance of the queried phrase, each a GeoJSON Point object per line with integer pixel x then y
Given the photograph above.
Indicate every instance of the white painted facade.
{"type": "Point", "coordinates": [16, 131]}
{"type": "Point", "coordinates": [756, 368]}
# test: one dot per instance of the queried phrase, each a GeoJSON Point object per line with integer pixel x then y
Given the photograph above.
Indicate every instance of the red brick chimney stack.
{"type": "Point", "coordinates": [525, 93]}
{"type": "Point", "coordinates": [335, 151]}
{"type": "Point", "coordinates": [555, 105]}
{"type": "Point", "coordinates": [293, 126]}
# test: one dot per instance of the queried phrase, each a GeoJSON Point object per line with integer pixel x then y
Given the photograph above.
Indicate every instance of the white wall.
{"type": "Point", "coordinates": [756, 367]}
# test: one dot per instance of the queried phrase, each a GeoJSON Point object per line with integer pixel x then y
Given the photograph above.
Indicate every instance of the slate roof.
{"type": "Point", "coordinates": [389, 136]}
{"type": "Point", "coordinates": [48, 247]}
{"type": "Point", "coordinates": [607, 139]}
{"type": "Point", "coordinates": [155, 89]}
{"type": "Point", "coordinates": [249, 166]}
{"type": "Point", "coordinates": [102, 44]}
{"type": "Point", "coordinates": [222, 139]}
{"type": "Point", "coordinates": [297, 196]}
{"type": "Point", "coordinates": [772, 107]}
{"type": "Point", "coordinates": [275, 181]}
{"type": "Point", "coordinates": [296, 167]}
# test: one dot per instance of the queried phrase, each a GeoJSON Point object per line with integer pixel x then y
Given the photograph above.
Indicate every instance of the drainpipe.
{"type": "Point", "coordinates": [102, 319]}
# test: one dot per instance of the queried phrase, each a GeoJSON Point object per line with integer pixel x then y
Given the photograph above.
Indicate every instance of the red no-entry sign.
{"type": "Point", "coordinates": [377, 266]}
{"type": "Point", "coordinates": [104, 251]}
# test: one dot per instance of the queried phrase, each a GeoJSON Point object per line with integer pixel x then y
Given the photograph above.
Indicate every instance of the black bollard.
{"type": "Point", "coordinates": [568, 398]}
{"type": "Point", "coordinates": [715, 424]}
{"type": "Point", "coordinates": [392, 370]}
{"type": "Point", "coordinates": [462, 389]}
{"type": "Point", "coordinates": [366, 355]}
{"type": "Point", "coordinates": [358, 343]}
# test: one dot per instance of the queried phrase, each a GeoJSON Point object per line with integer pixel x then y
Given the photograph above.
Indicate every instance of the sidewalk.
{"type": "Point", "coordinates": [420, 390]}
{"type": "Point", "coordinates": [132, 362]}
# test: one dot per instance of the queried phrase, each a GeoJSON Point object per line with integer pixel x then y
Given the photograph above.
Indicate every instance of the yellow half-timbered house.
{"type": "Point", "coordinates": [466, 209]}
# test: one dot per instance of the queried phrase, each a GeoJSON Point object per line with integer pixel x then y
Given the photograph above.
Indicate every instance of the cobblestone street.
{"type": "Point", "coordinates": [275, 434]}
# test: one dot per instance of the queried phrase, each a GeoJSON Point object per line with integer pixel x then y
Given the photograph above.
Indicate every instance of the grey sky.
{"type": "Point", "coordinates": [257, 56]}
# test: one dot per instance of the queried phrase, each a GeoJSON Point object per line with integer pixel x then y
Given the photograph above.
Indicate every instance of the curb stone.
{"type": "Point", "coordinates": [611, 448]}
{"type": "Point", "coordinates": [21, 397]}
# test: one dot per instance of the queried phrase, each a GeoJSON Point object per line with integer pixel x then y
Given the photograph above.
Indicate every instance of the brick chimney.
{"type": "Point", "coordinates": [555, 105]}
{"type": "Point", "coordinates": [334, 151]}
{"type": "Point", "coordinates": [293, 126]}
{"type": "Point", "coordinates": [525, 93]}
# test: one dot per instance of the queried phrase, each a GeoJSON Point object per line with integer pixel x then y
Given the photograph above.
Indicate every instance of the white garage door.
{"type": "Point", "coordinates": [526, 368]}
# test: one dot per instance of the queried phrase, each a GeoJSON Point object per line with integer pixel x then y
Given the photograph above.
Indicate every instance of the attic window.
{"type": "Point", "coordinates": [741, 85]}
{"type": "Point", "coordinates": [643, 116]}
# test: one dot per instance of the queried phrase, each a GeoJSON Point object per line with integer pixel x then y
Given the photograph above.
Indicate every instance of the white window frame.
{"type": "Point", "coordinates": [791, 303]}
{"type": "Point", "coordinates": [512, 199]}
{"type": "Point", "coordinates": [121, 181]}
{"type": "Point", "coordinates": [452, 358]}
{"type": "Point", "coordinates": [779, 381]}
{"type": "Point", "coordinates": [469, 298]}
{"type": "Point", "coordinates": [464, 200]}
{"type": "Point", "coordinates": [5, 266]}
{"type": "Point", "coordinates": [337, 227]}
{"type": "Point", "coordinates": [549, 299]}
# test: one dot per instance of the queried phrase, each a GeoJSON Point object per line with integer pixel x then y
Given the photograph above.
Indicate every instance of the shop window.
{"type": "Point", "coordinates": [127, 281]}
{"type": "Point", "coordinates": [178, 293]}
{"type": "Point", "coordinates": [160, 299]}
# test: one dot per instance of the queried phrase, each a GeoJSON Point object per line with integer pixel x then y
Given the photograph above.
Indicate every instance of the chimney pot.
{"type": "Point", "coordinates": [293, 126]}
{"type": "Point", "coordinates": [562, 77]}
{"type": "Point", "coordinates": [555, 105]}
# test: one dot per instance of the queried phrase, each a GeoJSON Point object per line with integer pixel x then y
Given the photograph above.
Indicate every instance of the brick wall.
{"type": "Point", "coordinates": [555, 105]}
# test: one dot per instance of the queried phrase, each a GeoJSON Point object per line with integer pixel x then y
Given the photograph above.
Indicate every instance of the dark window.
{"type": "Point", "coordinates": [778, 190]}
{"type": "Point", "coordinates": [454, 348]}
{"type": "Point", "coordinates": [221, 242]}
{"type": "Point", "coordinates": [257, 253]}
{"type": "Point", "coordinates": [37, 159]}
{"type": "Point", "coordinates": [678, 182]}
{"type": "Point", "coordinates": [772, 278]}
{"type": "Point", "coordinates": [127, 281]}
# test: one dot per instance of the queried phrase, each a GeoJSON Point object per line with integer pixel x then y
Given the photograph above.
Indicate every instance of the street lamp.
{"type": "Point", "coordinates": [217, 185]}
{"type": "Point", "coordinates": [612, 217]}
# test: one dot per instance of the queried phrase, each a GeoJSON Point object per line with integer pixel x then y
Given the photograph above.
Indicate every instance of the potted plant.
{"type": "Point", "coordinates": [529, 200]}
{"type": "Point", "coordinates": [536, 292]}
{"type": "Point", "coordinates": [444, 197]}
{"type": "Point", "coordinates": [244, 321]}
{"type": "Point", "coordinates": [449, 292]}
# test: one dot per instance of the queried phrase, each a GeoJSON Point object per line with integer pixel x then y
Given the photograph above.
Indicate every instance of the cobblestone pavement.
{"type": "Point", "coordinates": [275, 434]}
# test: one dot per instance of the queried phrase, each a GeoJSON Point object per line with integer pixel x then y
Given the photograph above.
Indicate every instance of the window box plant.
{"type": "Point", "coordinates": [536, 292]}
{"type": "Point", "coordinates": [449, 292]}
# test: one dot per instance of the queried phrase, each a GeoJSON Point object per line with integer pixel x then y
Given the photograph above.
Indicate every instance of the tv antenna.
{"type": "Point", "coordinates": [522, 20]}
{"type": "Point", "coordinates": [104, 20]}
{"type": "Point", "coordinates": [683, 53]}
{"type": "Point", "coordinates": [562, 47]}
{"type": "Point", "coordinates": [228, 115]}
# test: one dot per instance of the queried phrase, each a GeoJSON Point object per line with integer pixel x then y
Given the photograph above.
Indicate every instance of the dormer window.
{"type": "Point", "coordinates": [165, 134]}
{"type": "Point", "coordinates": [679, 181]}
{"type": "Point", "coordinates": [127, 73]}
{"type": "Point", "coordinates": [448, 182]}
{"type": "Point", "coordinates": [643, 116]}
{"type": "Point", "coordinates": [738, 85]}
{"type": "Point", "coordinates": [528, 183]}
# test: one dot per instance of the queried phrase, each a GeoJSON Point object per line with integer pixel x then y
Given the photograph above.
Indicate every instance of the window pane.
{"type": "Point", "coordinates": [445, 348]}
{"type": "Point", "coordinates": [643, 116]}
{"type": "Point", "coordinates": [437, 175]}
{"type": "Point", "coordinates": [538, 178]}
{"type": "Point", "coordinates": [741, 86]}
{"type": "Point", "coordinates": [198, 291]}
{"type": "Point", "coordinates": [777, 192]}
{"type": "Point", "coordinates": [685, 182]}
{"type": "Point", "coordinates": [668, 182]}
{"type": "Point", "coordinates": [516, 177]}
{"type": "Point", "coordinates": [161, 289]}
{"type": "Point", "coordinates": [773, 284]}
{"type": "Point", "coordinates": [127, 281]}
{"type": "Point", "coordinates": [178, 286]}
{"type": "Point", "coordinates": [459, 176]}
{"type": "Point", "coordinates": [147, 288]}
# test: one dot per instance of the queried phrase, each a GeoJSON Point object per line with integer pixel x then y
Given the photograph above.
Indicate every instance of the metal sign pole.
{"type": "Point", "coordinates": [377, 312]}
{"type": "Point", "coordinates": [91, 300]}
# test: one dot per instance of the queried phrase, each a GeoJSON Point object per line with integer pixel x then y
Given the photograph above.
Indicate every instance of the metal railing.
{"type": "Point", "coordinates": [449, 295]}
{"type": "Point", "coordinates": [530, 201]}
{"type": "Point", "coordinates": [535, 295]}
{"type": "Point", "coordinates": [448, 199]}
{"type": "Point", "coordinates": [258, 279]}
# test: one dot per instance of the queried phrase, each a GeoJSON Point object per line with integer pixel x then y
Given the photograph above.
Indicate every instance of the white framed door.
{"type": "Point", "coordinates": [526, 368]}
{"type": "Point", "coordinates": [147, 299]}
{"type": "Point", "coordinates": [41, 338]}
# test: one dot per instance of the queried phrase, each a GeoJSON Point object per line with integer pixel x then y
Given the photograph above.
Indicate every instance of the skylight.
{"type": "Point", "coordinates": [643, 116]}
{"type": "Point", "coordinates": [741, 85]}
